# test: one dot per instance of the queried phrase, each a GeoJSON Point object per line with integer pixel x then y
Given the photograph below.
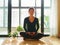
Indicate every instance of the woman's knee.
{"type": "Point", "coordinates": [40, 35]}
{"type": "Point", "coordinates": [21, 33]}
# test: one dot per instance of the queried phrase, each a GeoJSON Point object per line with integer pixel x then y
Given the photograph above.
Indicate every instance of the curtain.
{"type": "Point", "coordinates": [53, 19]}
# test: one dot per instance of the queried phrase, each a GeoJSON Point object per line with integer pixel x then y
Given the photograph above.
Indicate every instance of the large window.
{"type": "Point", "coordinates": [3, 17]}
{"type": "Point", "coordinates": [21, 7]}
{"type": "Point", "coordinates": [47, 8]}
{"type": "Point", "coordinates": [19, 10]}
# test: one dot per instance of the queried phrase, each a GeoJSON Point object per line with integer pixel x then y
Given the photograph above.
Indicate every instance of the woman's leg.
{"type": "Point", "coordinates": [38, 36]}
{"type": "Point", "coordinates": [23, 34]}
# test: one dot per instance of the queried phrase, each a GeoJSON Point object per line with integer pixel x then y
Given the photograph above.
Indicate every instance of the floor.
{"type": "Point", "coordinates": [20, 41]}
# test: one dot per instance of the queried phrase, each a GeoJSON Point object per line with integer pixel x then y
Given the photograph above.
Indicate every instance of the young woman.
{"type": "Point", "coordinates": [31, 26]}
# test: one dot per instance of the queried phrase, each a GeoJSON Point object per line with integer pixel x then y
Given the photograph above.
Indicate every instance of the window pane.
{"type": "Point", "coordinates": [15, 17]}
{"type": "Point", "coordinates": [38, 15]}
{"type": "Point", "coordinates": [15, 3]}
{"type": "Point", "coordinates": [6, 3]}
{"type": "Point", "coordinates": [1, 17]}
{"type": "Point", "coordinates": [1, 3]}
{"type": "Point", "coordinates": [46, 20]}
{"type": "Point", "coordinates": [46, 11]}
{"type": "Point", "coordinates": [24, 13]}
{"type": "Point", "coordinates": [3, 30]}
{"type": "Point", "coordinates": [27, 3]}
{"type": "Point", "coordinates": [6, 17]}
{"type": "Point", "coordinates": [47, 3]}
{"type": "Point", "coordinates": [38, 3]}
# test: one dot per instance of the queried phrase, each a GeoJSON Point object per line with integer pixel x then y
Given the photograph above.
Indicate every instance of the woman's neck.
{"type": "Point", "coordinates": [31, 16]}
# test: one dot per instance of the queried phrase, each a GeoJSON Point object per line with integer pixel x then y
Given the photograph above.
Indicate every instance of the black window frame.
{"type": "Point", "coordinates": [9, 19]}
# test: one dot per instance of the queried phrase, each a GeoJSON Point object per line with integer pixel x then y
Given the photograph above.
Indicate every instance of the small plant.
{"type": "Point", "coordinates": [13, 35]}
{"type": "Point", "coordinates": [9, 34]}
{"type": "Point", "coordinates": [19, 28]}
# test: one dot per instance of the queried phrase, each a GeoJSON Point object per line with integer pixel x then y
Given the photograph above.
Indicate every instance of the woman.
{"type": "Point", "coordinates": [31, 26]}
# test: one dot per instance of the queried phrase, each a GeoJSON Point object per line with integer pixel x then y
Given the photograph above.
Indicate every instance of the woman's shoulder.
{"type": "Point", "coordinates": [26, 18]}
{"type": "Point", "coordinates": [36, 18]}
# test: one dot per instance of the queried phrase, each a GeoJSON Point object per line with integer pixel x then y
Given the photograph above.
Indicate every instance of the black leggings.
{"type": "Point", "coordinates": [36, 36]}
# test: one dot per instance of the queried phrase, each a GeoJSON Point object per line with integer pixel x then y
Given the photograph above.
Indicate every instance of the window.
{"type": "Point", "coordinates": [21, 7]}
{"type": "Point", "coordinates": [31, 3]}
{"type": "Point", "coordinates": [15, 17]}
{"type": "Point", "coordinates": [38, 3]}
{"type": "Point", "coordinates": [46, 20]}
{"type": "Point", "coordinates": [19, 11]}
{"type": "Point", "coordinates": [15, 3]}
{"type": "Point", "coordinates": [6, 3]}
{"type": "Point", "coordinates": [23, 10]}
{"type": "Point", "coordinates": [47, 3]}
{"type": "Point", "coordinates": [1, 3]}
{"type": "Point", "coordinates": [6, 17]}
{"type": "Point", "coordinates": [47, 8]}
{"type": "Point", "coordinates": [24, 13]}
{"type": "Point", "coordinates": [3, 17]}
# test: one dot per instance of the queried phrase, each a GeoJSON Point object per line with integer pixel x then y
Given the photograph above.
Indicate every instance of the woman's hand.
{"type": "Point", "coordinates": [28, 33]}
{"type": "Point", "coordinates": [32, 33]}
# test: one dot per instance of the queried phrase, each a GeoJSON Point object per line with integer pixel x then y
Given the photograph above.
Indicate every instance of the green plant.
{"type": "Point", "coordinates": [46, 21]}
{"type": "Point", "coordinates": [19, 28]}
{"type": "Point", "coordinates": [13, 35]}
{"type": "Point", "coordinates": [9, 34]}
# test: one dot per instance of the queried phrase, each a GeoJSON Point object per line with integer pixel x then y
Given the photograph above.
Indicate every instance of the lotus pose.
{"type": "Point", "coordinates": [31, 26]}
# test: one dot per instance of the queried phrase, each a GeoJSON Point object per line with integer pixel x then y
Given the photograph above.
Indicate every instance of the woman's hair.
{"type": "Point", "coordinates": [31, 8]}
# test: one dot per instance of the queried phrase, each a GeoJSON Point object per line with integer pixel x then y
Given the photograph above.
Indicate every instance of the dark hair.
{"type": "Point", "coordinates": [31, 8]}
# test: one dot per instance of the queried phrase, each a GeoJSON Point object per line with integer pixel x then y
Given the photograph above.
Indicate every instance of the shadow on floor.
{"type": "Point", "coordinates": [32, 42]}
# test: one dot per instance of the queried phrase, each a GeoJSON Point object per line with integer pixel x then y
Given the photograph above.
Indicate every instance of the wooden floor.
{"type": "Point", "coordinates": [42, 41]}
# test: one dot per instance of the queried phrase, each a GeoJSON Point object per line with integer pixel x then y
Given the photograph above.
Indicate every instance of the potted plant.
{"type": "Point", "coordinates": [9, 35]}
{"type": "Point", "coordinates": [15, 34]}
{"type": "Point", "coordinates": [19, 29]}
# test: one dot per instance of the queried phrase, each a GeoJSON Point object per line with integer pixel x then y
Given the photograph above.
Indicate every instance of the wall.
{"type": "Point", "coordinates": [58, 6]}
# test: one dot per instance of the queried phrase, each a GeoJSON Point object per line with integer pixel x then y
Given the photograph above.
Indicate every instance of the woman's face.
{"type": "Point", "coordinates": [31, 11]}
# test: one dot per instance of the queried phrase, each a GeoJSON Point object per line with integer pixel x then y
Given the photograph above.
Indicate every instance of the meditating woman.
{"type": "Point", "coordinates": [31, 26]}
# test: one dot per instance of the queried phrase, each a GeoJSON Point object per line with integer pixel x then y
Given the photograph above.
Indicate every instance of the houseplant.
{"type": "Point", "coordinates": [19, 29]}
{"type": "Point", "coordinates": [15, 34]}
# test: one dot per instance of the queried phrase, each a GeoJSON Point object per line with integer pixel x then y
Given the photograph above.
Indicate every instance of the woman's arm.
{"type": "Point", "coordinates": [37, 24]}
{"type": "Point", "coordinates": [25, 25]}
